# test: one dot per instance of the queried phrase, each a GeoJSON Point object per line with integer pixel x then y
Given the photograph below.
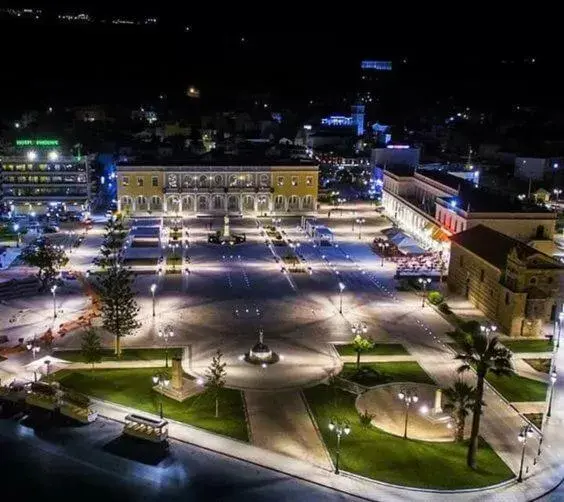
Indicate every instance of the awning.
{"type": "Point", "coordinates": [440, 235]}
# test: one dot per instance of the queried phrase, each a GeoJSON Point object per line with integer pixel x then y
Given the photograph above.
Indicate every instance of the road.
{"type": "Point", "coordinates": [51, 463]}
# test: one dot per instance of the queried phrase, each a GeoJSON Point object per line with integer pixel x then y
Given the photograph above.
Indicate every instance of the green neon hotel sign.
{"type": "Point", "coordinates": [37, 142]}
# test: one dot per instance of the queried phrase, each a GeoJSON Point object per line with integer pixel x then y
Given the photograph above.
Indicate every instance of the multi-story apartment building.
{"type": "Point", "coordinates": [218, 187]}
{"type": "Point", "coordinates": [38, 179]}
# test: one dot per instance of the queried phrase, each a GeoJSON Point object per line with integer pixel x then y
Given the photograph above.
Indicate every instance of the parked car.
{"type": "Point", "coordinates": [50, 229]}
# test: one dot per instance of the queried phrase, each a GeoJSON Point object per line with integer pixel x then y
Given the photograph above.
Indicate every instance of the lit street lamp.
{"type": "Point", "coordinates": [552, 382]}
{"type": "Point", "coordinates": [359, 328]}
{"type": "Point", "coordinates": [526, 433]}
{"type": "Point", "coordinates": [339, 429]}
{"type": "Point", "coordinates": [34, 349]}
{"type": "Point", "coordinates": [488, 329]}
{"type": "Point", "coordinates": [153, 289]}
{"type": "Point", "coordinates": [54, 291]}
{"type": "Point", "coordinates": [341, 288]}
{"type": "Point", "coordinates": [408, 397]}
{"type": "Point", "coordinates": [161, 381]}
{"type": "Point", "coordinates": [424, 281]}
{"type": "Point", "coordinates": [165, 334]}
{"type": "Point", "coordinates": [360, 222]}
{"type": "Point", "coordinates": [557, 192]}
{"type": "Point", "coordinates": [383, 246]}
{"type": "Point", "coordinates": [17, 230]}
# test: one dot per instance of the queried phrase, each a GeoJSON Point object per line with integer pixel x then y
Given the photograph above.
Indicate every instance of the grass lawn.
{"type": "Point", "coordinates": [133, 387]}
{"type": "Point", "coordinates": [536, 418]}
{"type": "Point", "coordinates": [382, 456]}
{"type": "Point", "coordinates": [533, 345]}
{"type": "Point", "coordinates": [379, 349]}
{"type": "Point", "coordinates": [379, 373]}
{"type": "Point", "coordinates": [126, 354]}
{"type": "Point", "coordinates": [542, 365]}
{"type": "Point", "coordinates": [518, 388]}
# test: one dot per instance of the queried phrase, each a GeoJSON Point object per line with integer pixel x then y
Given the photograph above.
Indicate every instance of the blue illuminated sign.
{"type": "Point", "coordinates": [337, 120]}
{"type": "Point", "coordinates": [376, 65]}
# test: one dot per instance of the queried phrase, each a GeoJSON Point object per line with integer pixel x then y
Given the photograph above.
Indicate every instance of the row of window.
{"type": "Point", "coordinates": [36, 192]}
{"type": "Point", "coordinates": [45, 179]}
{"type": "Point", "coordinates": [43, 167]}
{"type": "Point", "coordinates": [203, 181]}
{"type": "Point", "coordinates": [217, 202]}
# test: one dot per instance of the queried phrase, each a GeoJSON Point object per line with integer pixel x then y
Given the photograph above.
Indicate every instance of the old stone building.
{"type": "Point", "coordinates": [512, 283]}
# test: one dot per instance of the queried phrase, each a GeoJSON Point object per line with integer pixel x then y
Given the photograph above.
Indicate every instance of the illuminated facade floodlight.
{"type": "Point", "coordinates": [53, 155]}
{"type": "Point", "coordinates": [31, 155]}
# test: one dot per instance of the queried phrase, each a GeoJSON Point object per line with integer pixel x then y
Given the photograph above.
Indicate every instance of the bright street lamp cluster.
{"type": "Point", "coordinates": [407, 396]}
{"type": "Point", "coordinates": [165, 334]}
{"type": "Point", "coordinates": [424, 281]}
{"type": "Point", "coordinates": [163, 382]}
{"type": "Point", "coordinates": [340, 429]}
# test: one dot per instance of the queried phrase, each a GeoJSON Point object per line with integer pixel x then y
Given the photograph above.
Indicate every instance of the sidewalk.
{"type": "Point", "coordinates": [279, 421]}
{"type": "Point", "coordinates": [107, 365]}
{"type": "Point", "coordinates": [347, 483]}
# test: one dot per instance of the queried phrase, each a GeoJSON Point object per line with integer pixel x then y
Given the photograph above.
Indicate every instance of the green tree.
{"type": "Point", "coordinates": [216, 378]}
{"type": "Point", "coordinates": [360, 345]}
{"type": "Point", "coordinates": [91, 347]}
{"type": "Point", "coordinates": [119, 308]}
{"type": "Point", "coordinates": [483, 353]}
{"type": "Point", "coordinates": [47, 258]}
{"type": "Point", "coordinates": [114, 238]}
{"type": "Point", "coordinates": [460, 400]}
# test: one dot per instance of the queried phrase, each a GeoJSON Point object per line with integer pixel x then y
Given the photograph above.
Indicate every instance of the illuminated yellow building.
{"type": "Point", "coordinates": [218, 188]}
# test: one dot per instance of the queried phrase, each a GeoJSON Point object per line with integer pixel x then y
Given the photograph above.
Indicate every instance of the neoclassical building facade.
{"type": "Point", "coordinates": [217, 188]}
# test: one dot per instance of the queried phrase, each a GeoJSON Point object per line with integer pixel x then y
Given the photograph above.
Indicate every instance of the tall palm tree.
{"type": "Point", "coordinates": [460, 399]}
{"type": "Point", "coordinates": [482, 352]}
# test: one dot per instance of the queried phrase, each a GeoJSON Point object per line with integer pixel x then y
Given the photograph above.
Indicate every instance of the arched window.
{"type": "Point", "coordinates": [533, 281]}
{"type": "Point", "coordinates": [218, 180]}
{"type": "Point", "coordinates": [203, 180]}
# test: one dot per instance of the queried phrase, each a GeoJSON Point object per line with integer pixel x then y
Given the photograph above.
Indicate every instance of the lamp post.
{"type": "Point", "coordinates": [424, 281]}
{"type": "Point", "coordinates": [360, 222]}
{"type": "Point", "coordinates": [339, 429]}
{"type": "Point", "coordinates": [161, 381]}
{"type": "Point", "coordinates": [165, 334]}
{"type": "Point", "coordinates": [17, 230]}
{"type": "Point", "coordinates": [552, 382]}
{"type": "Point", "coordinates": [383, 246]}
{"type": "Point", "coordinates": [341, 288]}
{"type": "Point", "coordinates": [34, 349]}
{"type": "Point", "coordinates": [488, 329]}
{"type": "Point", "coordinates": [47, 363]}
{"type": "Point", "coordinates": [557, 192]}
{"type": "Point", "coordinates": [153, 288]}
{"type": "Point", "coordinates": [408, 397]}
{"type": "Point", "coordinates": [54, 292]}
{"type": "Point", "coordinates": [359, 327]}
{"type": "Point", "coordinates": [560, 320]}
{"type": "Point", "coordinates": [525, 433]}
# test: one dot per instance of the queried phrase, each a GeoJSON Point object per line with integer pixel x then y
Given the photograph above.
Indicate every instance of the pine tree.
{"type": "Point", "coordinates": [91, 347]}
{"type": "Point", "coordinates": [119, 308]}
{"type": "Point", "coordinates": [48, 258]}
{"type": "Point", "coordinates": [114, 238]}
{"type": "Point", "coordinates": [216, 378]}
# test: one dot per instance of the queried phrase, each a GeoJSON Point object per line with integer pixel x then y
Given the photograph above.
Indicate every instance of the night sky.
{"type": "Point", "coordinates": [293, 56]}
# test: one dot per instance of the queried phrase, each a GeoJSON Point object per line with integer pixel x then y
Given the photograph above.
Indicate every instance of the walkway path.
{"type": "Point", "coordinates": [280, 422]}
{"type": "Point", "coordinates": [379, 359]}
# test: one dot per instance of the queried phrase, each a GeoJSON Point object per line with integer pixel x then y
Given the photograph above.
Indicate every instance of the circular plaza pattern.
{"type": "Point", "coordinates": [388, 412]}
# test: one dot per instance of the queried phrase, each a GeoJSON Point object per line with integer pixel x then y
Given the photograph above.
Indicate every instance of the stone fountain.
{"type": "Point", "coordinates": [261, 353]}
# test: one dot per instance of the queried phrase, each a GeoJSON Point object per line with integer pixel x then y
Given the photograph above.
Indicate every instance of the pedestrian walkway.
{"type": "Point", "coordinates": [108, 365]}
{"type": "Point", "coordinates": [524, 370]}
{"type": "Point", "coordinates": [280, 422]}
{"type": "Point", "coordinates": [347, 483]}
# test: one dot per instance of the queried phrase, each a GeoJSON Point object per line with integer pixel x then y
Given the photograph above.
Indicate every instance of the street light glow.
{"type": "Point", "coordinates": [31, 155]}
{"type": "Point", "coordinates": [341, 286]}
{"type": "Point", "coordinates": [53, 155]}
